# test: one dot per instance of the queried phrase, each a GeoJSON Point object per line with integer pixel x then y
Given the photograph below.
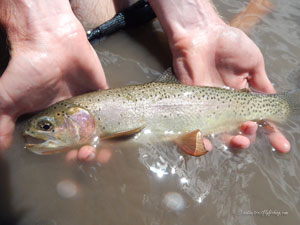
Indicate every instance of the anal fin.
{"type": "Point", "coordinates": [191, 143]}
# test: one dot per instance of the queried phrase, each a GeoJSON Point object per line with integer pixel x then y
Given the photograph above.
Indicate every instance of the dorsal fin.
{"type": "Point", "coordinates": [167, 77]}
{"type": "Point", "coordinates": [246, 90]}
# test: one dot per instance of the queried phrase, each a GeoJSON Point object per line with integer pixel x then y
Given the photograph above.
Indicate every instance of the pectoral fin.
{"type": "Point", "coordinates": [123, 134]}
{"type": "Point", "coordinates": [191, 143]}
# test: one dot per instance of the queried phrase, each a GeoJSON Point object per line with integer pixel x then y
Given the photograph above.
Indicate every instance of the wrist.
{"type": "Point", "coordinates": [7, 104]}
{"type": "Point", "coordinates": [180, 19]}
{"type": "Point", "coordinates": [27, 20]}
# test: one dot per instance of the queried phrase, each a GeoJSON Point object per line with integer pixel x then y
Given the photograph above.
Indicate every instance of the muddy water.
{"type": "Point", "coordinates": [156, 184]}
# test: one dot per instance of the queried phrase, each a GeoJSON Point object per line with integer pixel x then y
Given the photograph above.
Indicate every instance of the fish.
{"type": "Point", "coordinates": [165, 108]}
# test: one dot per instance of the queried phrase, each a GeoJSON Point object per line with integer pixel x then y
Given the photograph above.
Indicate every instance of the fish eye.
{"type": "Point", "coordinates": [45, 125]}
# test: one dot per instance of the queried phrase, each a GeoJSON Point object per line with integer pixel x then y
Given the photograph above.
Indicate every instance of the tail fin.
{"type": "Point", "coordinates": [293, 99]}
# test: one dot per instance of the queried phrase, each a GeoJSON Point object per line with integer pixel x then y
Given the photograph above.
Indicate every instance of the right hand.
{"type": "Point", "coordinates": [208, 52]}
{"type": "Point", "coordinates": [225, 56]}
{"type": "Point", "coordinates": [51, 59]}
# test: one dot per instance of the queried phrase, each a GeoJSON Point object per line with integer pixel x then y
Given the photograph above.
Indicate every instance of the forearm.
{"type": "Point", "coordinates": [92, 13]}
{"type": "Point", "coordinates": [179, 17]}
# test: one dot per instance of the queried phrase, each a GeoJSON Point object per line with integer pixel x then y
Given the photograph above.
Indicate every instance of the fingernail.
{"type": "Point", "coordinates": [286, 147]}
{"type": "Point", "coordinates": [91, 156]}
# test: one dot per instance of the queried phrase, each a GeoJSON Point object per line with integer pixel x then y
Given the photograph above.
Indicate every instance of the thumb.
{"type": "Point", "coordinates": [7, 125]}
{"type": "Point", "coordinates": [97, 70]}
{"type": "Point", "coordinates": [259, 79]}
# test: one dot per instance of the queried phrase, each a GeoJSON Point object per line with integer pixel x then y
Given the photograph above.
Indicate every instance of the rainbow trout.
{"type": "Point", "coordinates": [165, 108]}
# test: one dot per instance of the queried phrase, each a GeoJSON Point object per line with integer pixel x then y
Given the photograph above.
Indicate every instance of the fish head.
{"type": "Point", "coordinates": [60, 127]}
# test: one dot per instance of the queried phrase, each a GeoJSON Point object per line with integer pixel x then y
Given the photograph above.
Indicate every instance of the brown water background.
{"type": "Point", "coordinates": [157, 184]}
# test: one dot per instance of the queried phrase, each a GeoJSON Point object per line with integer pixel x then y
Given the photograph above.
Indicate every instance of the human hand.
{"type": "Point", "coordinates": [51, 60]}
{"type": "Point", "coordinates": [224, 56]}
{"type": "Point", "coordinates": [208, 52]}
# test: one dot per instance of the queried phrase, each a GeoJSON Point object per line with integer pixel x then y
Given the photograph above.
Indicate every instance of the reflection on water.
{"type": "Point", "coordinates": [152, 183]}
{"type": "Point", "coordinates": [67, 189]}
{"type": "Point", "coordinates": [174, 201]}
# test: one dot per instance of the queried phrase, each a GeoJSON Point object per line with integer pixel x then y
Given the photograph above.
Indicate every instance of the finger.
{"type": "Point", "coordinates": [86, 153]}
{"type": "Point", "coordinates": [92, 68]}
{"type": "Point", "coordinates": [259, 80]}
{"type": "Point", "coordinates": [207, 144]}
{"type": "Point", "coordinates": [236, 142]}
{"type": "Point", "coordinates": [239, 141]}
{"type": "Point", "coordinates": [97, 70]}
{"type": "Point", "coordinates": [7, 126]}
{"type": "Point", "coordinates": [104, 155]}
{"type": "Point", "coordinates": [249, 129]}
{"type": "Point", "coordinates": [94, 77]}
{"type": "Point", "coordinates": [71, 156]}
{"type": "Point", "coordinates": [276, 138]}
{"type": "Point", "coordinates": [279, 142]}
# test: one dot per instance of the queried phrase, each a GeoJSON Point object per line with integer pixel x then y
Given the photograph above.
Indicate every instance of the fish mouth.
{"type": "Point", "coordinates": [40, 144]}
